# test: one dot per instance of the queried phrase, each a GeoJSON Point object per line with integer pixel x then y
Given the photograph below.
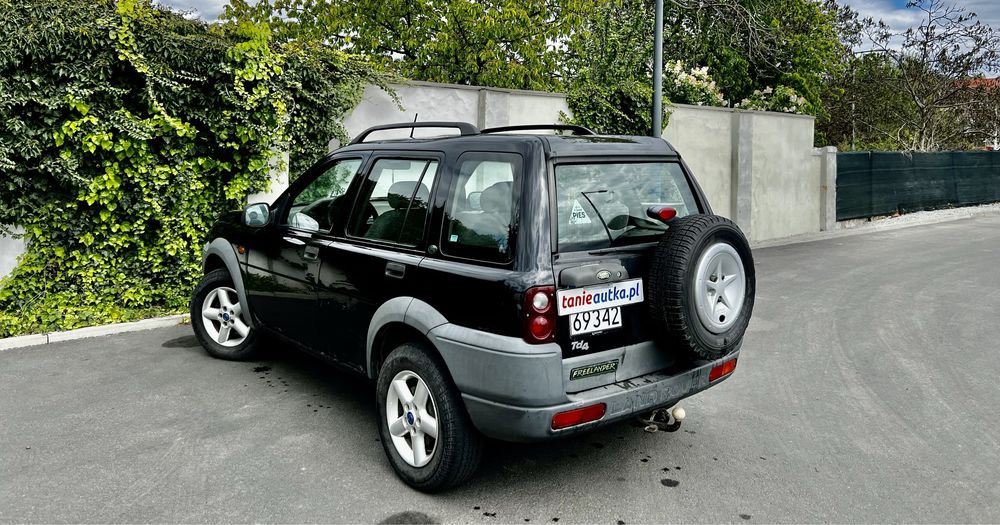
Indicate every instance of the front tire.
{"type": "Point", "coordinates": [220, 321]}
{"type": "Point", "coordinates": [425, 431]}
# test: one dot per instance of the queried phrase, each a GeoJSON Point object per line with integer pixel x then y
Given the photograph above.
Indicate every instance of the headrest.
{"type": "Point", "coordinates": [400, 192]}
{"type": "Point", "coordinates": [497, 199]}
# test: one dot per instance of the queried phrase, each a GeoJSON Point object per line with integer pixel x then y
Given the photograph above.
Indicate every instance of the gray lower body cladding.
{"type": "Point", "coordinates": [512, 389]}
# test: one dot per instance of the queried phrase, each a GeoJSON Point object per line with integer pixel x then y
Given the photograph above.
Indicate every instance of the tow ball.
{"type": "Point", "coordinates": [666, 419]}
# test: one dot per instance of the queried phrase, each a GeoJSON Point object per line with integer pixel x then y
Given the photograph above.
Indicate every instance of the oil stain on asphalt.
{"type": "Point", "coordinates": [409, 516]}
{"type": "Point", "coordinates": [188, 341]}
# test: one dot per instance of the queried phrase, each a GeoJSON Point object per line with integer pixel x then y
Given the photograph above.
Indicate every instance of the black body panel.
{"type": "Point", "coordinates": [321, 289]}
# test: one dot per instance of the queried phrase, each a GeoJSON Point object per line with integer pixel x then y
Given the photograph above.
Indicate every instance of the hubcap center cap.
{"type": "Point", "coordinates": [410, 418]}
{"type": "Point", "coordinates": [720, 285]}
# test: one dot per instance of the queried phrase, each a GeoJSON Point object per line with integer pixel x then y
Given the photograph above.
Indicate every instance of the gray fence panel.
{"type": "Point", "coordinates": [874, 183]}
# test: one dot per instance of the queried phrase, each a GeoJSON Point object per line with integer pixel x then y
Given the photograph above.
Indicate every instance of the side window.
{"type": "Point", "coordinates": [480, 208]}
{"type": "Point", "coordinates": [394, 202]}
{"type": "Point", "coordinates": [316, 206]}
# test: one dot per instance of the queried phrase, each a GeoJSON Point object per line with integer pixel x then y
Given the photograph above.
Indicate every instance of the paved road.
{"type": "Point", "coordinates": [867, 392]}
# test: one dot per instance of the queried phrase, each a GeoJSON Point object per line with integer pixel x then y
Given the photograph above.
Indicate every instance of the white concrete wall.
{"type": "Point", "coordinates": [440, 102]}
{"type": "Point", "coordinates": [703, 136]}
{"type": "Point", "coordinates": [10, 249]}
{"type": "Point", "coordinates": [758, 168]}
{"type": "Point", "coordinates": [786, 177]}
{"type": "Point", "coordinates": [484, 107]}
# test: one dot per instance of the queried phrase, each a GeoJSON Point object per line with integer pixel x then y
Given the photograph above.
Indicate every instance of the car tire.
{"type": "Point", "coordinates": [453, 455]}
{"type": "Point", "coordinates": [702, 286]}
{"type": "Point", "coordinates": [220, 321]}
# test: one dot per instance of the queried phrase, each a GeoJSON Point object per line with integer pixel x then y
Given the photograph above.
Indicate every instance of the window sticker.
{"type": "Point", "coordinates": [578, 215]}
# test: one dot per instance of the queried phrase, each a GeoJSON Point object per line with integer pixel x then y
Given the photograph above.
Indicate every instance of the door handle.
{"type": "Point", "coordinates": [395, 270]}
{"type": "Point", "coordinates": [311, 253]}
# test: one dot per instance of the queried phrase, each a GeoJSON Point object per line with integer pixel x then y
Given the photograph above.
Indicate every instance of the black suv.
{"type": "Point", "coordinates": [494, 282]}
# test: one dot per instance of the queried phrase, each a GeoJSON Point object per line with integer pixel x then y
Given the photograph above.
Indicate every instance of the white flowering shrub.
{"type": "Point", "coordinates": [781, 98]}
{"type": "Point", "coordinates": [694, 86]}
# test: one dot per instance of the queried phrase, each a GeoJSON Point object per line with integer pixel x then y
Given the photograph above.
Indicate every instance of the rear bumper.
{"type": "Point", "coordinates": [512, 389]}
{"type": "Point", "coordinates": [623, 400]}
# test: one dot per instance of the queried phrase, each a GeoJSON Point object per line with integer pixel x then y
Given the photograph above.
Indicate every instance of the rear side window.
{"type": "Point", "coordinates": [393, 203]}
{"type": "Point", "coordinates": [604, 205]}
{"type": "Point", "coordinates": [479, 215]}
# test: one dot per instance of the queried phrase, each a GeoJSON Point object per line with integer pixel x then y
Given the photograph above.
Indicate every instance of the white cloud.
{"type": "Point", "coordinates": [894, 12]}
{"type": "Point", "coordinates": [204, 9]}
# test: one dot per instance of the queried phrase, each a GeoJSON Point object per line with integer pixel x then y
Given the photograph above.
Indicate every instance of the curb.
{"type": "Point", "coordinates": [895, 223]}
{"type": "Point", "coordinates": [22, 341]}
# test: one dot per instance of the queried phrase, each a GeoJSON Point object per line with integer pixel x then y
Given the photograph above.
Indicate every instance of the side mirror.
{"type": "Point", "coordinates": [256, 215]}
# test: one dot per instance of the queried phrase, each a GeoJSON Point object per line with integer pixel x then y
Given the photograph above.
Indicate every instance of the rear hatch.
{"type": "Point", "coordinates": [604, 243]}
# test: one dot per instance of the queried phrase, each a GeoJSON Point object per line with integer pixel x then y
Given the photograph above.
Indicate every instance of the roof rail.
{"type": "Point", "coordinates": [577, 130]}
{"type": "Point", "coordinates": [464, 128]}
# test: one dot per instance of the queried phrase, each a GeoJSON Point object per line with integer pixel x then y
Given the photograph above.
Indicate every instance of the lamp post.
{"type": "Point", "coordinates": [658, 71]}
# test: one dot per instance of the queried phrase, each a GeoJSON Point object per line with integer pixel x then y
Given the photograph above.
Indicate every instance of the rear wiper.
{"type": "Point", "coordinates": [607, 230]}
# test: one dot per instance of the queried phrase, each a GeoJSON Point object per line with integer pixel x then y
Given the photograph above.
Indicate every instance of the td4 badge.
{"type": "Point", "coordinates": [582, 346]}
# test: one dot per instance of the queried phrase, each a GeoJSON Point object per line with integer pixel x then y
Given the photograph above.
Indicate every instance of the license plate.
{"type": "Point", "coordinates": [595, 321]}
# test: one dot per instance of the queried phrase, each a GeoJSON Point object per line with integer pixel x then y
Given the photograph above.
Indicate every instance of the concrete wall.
{"type": "Point", "coordinates": [703, 136]}
{"type": "Point", "coordinates": [757, 168]}
{"type": "Point", "coordinates": [484, 107]}
{"type": "Point", "coordinates": [786, 178]}
{"type": "Point", "coordinates": [9, 250]}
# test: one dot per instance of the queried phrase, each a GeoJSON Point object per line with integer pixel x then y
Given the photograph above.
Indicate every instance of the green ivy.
{"type": "Point", "coordinates": [125, 130]}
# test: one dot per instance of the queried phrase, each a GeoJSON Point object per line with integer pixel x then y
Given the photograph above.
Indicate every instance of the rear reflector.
{"type": "Point", "coordinates": [578, 416]}
{"type": "Point", "coordinates": [722, 370]}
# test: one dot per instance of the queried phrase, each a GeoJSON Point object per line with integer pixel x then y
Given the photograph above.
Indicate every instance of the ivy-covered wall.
{"type": "Point", "coordinates": [124, 130]}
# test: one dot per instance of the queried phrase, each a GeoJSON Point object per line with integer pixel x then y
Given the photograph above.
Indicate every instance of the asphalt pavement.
{"type": "Point", "coordinates": [867, 391]}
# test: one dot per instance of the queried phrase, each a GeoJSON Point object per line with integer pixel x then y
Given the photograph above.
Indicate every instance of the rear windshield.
{"type": "Point", "coordinates": [604, 205]}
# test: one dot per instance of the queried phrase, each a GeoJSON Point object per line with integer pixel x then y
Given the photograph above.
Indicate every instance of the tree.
{"type": "Point", "coordinates": [934, 66]}
{"type": "Point", "coordinates": [499, 43]}
{"type": "Point", "coordinates": [748, 46]}
{"type": "Point", "coordinates": [125, 130]}
{"type": "Point", "coordinates": [866, 104]}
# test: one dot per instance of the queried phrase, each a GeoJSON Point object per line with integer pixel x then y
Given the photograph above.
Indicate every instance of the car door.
{"type": "Point", "coordinates": [374, 256]}
{"type": "Point", "coordinates": [283, 260]}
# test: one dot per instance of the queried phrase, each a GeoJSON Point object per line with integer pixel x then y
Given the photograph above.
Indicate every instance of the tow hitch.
{"type": "Point", "coordinates": [666, 419]}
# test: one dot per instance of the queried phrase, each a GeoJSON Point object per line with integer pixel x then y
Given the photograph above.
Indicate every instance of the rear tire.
{"type": "Point", "coordinates": [220, 321]}
{"type": "Point", "coordinates": [702, 286]}
{"type": "Point", "coordinates": [425, 431]}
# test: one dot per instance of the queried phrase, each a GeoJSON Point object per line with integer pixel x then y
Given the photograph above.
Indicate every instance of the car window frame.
{"type": "Point", "coordinates": [453, 180]}
{"type": "Point", "coordinates": [428, 155]}
{"type": "Point", "coordinates": [287, 198]}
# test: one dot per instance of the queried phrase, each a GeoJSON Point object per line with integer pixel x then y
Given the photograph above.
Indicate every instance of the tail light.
{"type": "Point", "coordinates": [539, 315]}
{"type": "Point", "coordinates": [723, 370]}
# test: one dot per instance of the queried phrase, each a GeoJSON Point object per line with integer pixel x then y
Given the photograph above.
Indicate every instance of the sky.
{"type": "Point", "coordinates": [206, 9]}
{"type": "Point", "coordinates": [893, 12]}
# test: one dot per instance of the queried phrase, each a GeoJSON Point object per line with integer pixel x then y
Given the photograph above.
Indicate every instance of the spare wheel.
{"type": "Point", "coordinates": [701, 286]}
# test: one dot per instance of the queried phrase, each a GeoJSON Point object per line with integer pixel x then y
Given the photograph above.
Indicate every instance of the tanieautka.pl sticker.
{"type": "Point", "coordinates": [596, 297]}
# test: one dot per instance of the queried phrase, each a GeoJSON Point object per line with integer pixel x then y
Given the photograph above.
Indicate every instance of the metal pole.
{"type": "Point", "coordinates": [658, 71]}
